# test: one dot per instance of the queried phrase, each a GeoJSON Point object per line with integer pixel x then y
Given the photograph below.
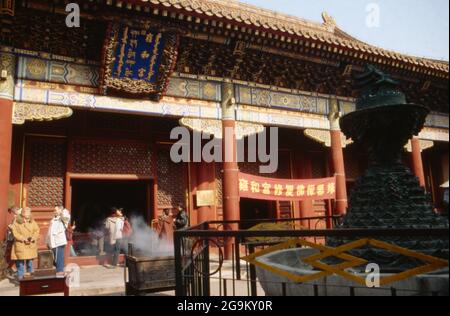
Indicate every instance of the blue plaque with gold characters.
{"type": "Point", "coordinates": [138, 61]}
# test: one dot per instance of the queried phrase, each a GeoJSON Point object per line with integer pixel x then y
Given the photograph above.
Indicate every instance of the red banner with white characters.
{"type": "Point", "coordinates": [261, 188]}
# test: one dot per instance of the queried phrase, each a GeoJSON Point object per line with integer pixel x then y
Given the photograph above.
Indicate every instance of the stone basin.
{"type": "Point", "coordinates": [291, 260]}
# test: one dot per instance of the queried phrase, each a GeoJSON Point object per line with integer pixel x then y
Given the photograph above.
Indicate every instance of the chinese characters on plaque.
{"type": "Point", "coordinates": [138, 54]}
{"type": "Point", "coordinates": [138, 61]}
{"type": "Point", "coordinates": [261, 188]}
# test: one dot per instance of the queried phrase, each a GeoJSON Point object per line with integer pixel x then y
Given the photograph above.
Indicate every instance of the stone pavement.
{"type": "Point", "coordinates": [101, 281]}
{"type": "Point", "coordinates": [94, 281]}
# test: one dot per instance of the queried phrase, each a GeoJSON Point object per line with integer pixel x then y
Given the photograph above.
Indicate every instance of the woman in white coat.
{"type": "Point", "coordinates": [114, 225]}
{"type": "Point", "coordinates": [56, 237]}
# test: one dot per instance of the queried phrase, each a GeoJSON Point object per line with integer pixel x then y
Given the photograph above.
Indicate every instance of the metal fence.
{"type": "Point", "coordinates": [208, 256]}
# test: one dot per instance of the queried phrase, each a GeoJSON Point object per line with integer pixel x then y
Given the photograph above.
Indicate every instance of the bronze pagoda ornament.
{"type": "Point", "coordinates": [388, 195]}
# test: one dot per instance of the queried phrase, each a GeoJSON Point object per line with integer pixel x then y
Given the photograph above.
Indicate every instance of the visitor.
{"type": "Point", "coordinates": [126, 234]}
{"type": "Point", "coordinates": [13, 212]}
{"type": "Point", "coordinates": [114, 227]}
{"type": "Point", "coordinates": [182, 222]}
{"type": "Point", "coordinates": [166, 226]}
{"type": "Point", "coordinates": [182, 219]}
{"type": "Point", "coordinates": [71, 227]}
{"type": "Point", "coordinates": [57, 237]}
{"type": "Point", "coordinates": [445, 200]}
{"type": "Point", "coordinates": [70, 230]}
{"type": "Point", "coordinates": [26, 233]}
{"type": "Point", "coordinates": [98, 232]}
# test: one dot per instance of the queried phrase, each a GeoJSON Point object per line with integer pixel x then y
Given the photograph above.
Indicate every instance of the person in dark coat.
{"type": "Point", "coordinates": [13, 213]}
{"type": "Point", "coordinates": [182, 219]}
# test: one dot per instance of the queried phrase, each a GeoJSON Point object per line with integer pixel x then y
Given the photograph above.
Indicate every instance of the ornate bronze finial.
{"type": "Point", "coordinates": [383, 121]}
{"type": "Point", "coordinates": [388, 195]}
{"type": "Point", "coordinates": [377, 89]}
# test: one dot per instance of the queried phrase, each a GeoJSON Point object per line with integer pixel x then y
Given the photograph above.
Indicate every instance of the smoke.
{"type": "Point", "coordinates": [93, 244]}
{"type": "Point", "coordinates": [146, 241]}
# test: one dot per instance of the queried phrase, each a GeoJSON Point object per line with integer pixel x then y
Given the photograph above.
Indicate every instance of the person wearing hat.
{"type": "Point", "coordinates": [24, 250]}
{"type": "Point", "coordinates": [57, 238]}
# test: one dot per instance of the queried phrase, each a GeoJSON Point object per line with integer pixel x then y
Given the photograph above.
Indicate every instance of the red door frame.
{"type": "Point", "coordinates": [70, 175]}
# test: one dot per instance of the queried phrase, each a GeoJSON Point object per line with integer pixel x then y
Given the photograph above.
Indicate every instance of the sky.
{"type": "Point", "coordinates": [414, 27]}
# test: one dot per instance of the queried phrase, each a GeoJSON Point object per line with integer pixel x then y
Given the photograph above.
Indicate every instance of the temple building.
{"type": "Point", "coordinates": [86, 112]}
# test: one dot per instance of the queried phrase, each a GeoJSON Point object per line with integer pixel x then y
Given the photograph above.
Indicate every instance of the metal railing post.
{"type": "Point", "coordinates": [206, 269]}
{"type": "Point", "coordinates": [237, 244]}
{"type": "Point", "coordinates": [179, 288]}
{"type": "Point", "coordinates": [253, 289]}
{"type": "Point", "coordinates": [195, 277]}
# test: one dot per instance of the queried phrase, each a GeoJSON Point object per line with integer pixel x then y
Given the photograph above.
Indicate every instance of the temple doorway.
{"type": "Point", "coordinates": [92, 201]}
{"type": "Point", "coordinates": [254, 210]}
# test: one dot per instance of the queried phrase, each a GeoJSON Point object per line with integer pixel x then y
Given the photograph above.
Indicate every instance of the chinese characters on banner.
{"type": "Point", "coordinates": [261, 188]}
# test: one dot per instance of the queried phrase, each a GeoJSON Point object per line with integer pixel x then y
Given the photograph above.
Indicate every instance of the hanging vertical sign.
{"type": "Point", "coordinates": [260, 188]}
{"type": "Point", "coordinates": [138, 61]}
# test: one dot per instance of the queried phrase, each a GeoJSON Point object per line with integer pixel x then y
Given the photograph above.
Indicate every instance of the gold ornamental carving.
{"type": "Point", "coordinates": [424, 145]}
{"type": "Point", "coordinates": [38, 112]}
{"type": "Point", "coordinates": [214, 127]}
{"type": "Point", "coordinates": [324, 137]}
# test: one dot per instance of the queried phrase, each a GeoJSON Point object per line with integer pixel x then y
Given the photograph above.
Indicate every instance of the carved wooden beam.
{"type": "Point", "coordinates": [214, 127]}
{"type": "Point", "coordinates": [38, 112]}
{"type": "Point", "coordinates": [424, 145]}
{"type": "Point", "coordinates": [324, 137]}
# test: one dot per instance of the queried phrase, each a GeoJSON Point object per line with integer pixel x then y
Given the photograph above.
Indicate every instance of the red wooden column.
{"type": "Point", "coordinates": [305, 172]}
{"type": "Point", "coordinates": [417, 163]}
{"type": "Point", "coordinates": [337, 156]}
{"type": "Point", "coordinates": [231, 207]}
{"type": "Point", "coordinates": [205, 182]}
{"type": "Point", "coordinates": [7, 63]}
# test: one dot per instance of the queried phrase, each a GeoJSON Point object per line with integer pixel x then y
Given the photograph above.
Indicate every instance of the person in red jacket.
{"type": "Point", "coordinates": [166, 226]}
{"type": "Point", "coordinates": [126, 233]}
